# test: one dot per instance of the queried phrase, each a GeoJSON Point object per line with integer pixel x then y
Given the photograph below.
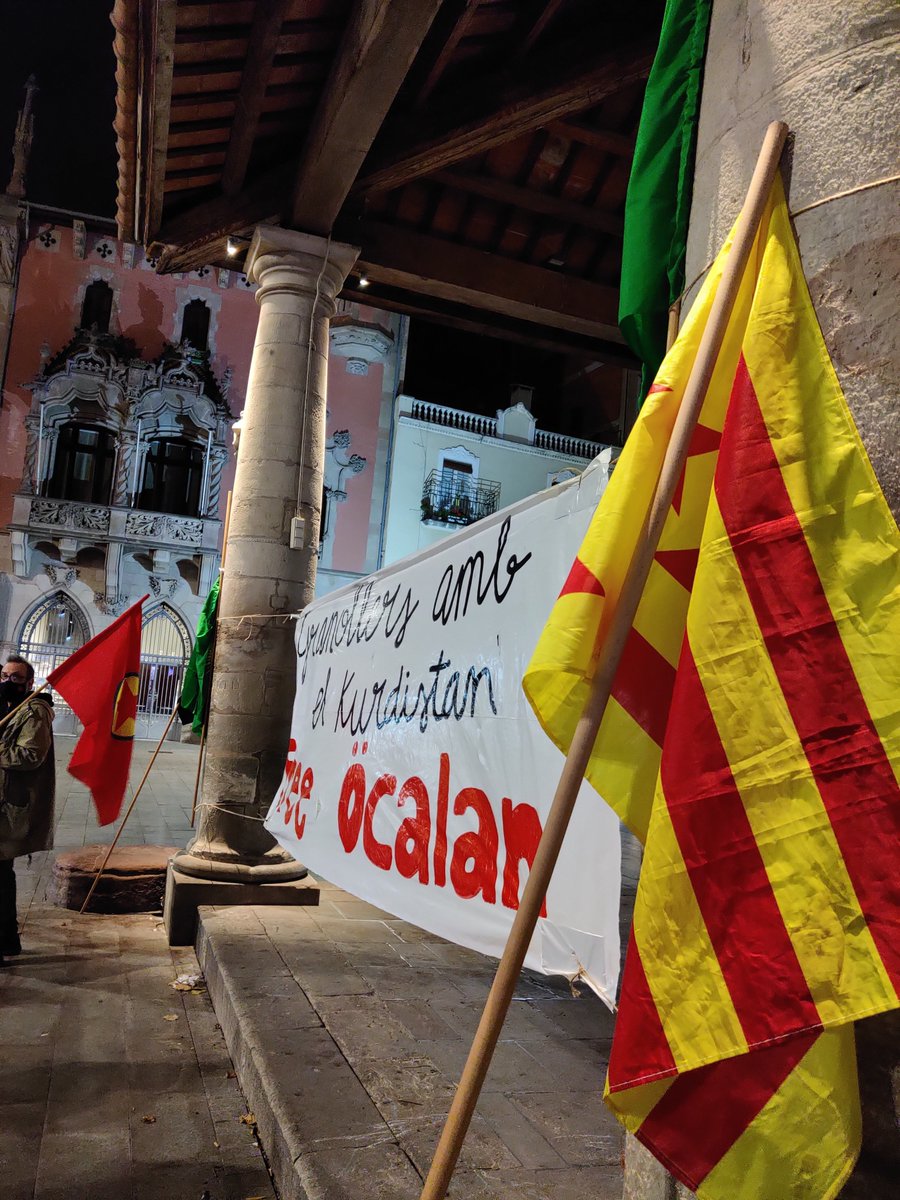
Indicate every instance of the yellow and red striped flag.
{"type": "Point", "coordinates": [752, 742]}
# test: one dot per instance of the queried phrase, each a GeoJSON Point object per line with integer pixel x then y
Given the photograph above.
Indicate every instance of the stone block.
{"type": "Point", "coordinates": [184, 894]}
{"type": "Point", "coordinates": [133, 880]}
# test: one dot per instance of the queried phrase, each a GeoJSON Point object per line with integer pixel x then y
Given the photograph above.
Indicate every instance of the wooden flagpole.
{"type": "Point", "coordinates": [503, 987]}
{"type": "Point", "coordinates": [115, 840]}
{"type": "Point", "coordinates": [212, 658]}
{"type": "Point", "coordinates": [12, 712]}
{"type": "Point", "coordinates": [197, 777]}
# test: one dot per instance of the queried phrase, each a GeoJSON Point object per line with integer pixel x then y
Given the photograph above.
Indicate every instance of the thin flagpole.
{"type": "Point", "coordinates": [197, 780]}
{"type": "Point", "coordinates": [12, 712]}
{"type": "Point", "coordinates": [211, 660]}
{"type": "Point", "coordinates": [500, 995]}
{"type": "Point", "coordinates": [130, 807]}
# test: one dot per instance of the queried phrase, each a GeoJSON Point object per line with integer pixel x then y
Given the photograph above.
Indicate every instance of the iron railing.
{"type": "Point", "coordinates": [451, 501]}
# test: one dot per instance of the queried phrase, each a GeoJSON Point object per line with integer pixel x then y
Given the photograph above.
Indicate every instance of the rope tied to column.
{"type": "Point", "coordinates": [798, 212]}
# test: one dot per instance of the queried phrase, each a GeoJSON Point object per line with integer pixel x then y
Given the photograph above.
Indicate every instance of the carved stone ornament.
{"type": "Point", "coordinates": [59, 576]}
{"type": "Point", "coordinates": [161, 528]}
{"type": "Point", "coordinates": [356, 341]}
{"type": "Point", "coordinates": [79, 239]}
{"type": "Point", "coordinates": [48, 239]}
{"type": "Point", "coordinates": [163, 588]}
{"type": "Point", "coordinates": [142, 525]}
{"type": "Point", "coordinates": [183, 529]}
{"type": "Point", "coordinates": [22, 142]}
{"type": "Point", "coordinates": [110, 606]}
{"type": "Point", "coordinates": [9, 248]}
{"type": "Point", "coordinates": [69, 515]}
{"type": "Point", "coordinates": [357, 366]}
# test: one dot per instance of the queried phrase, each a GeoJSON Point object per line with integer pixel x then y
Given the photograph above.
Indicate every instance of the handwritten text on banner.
{"type": "Point", "coordinates": [417, 776]}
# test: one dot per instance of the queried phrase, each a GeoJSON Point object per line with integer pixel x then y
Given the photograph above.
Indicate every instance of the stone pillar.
{"type": "Point", "coordinates": [30, 482]}
{"type": "Point", "coordinates": [10, 239]}
{"type": "Point", "coordinates": [124, 467]}
{"type": "Point", "coordinates": [830, 72]}
{"type": "Point", "coordinates": [218, 460]}
{"type": "Point", "coordinates": [279, 474]}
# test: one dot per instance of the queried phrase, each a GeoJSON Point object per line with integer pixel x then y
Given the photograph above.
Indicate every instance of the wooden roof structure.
{"type": "Point", "coordinates": [478, 151]}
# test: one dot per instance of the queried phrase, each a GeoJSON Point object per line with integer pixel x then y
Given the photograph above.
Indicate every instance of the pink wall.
{"type": "Point", "coordinates": [145, 308]}
{"type": "Point", "coordinates": [354, 403]}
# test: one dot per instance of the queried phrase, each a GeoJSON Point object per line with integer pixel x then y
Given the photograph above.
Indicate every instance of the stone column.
{"type": "Point", "coordinates": [124, 467]}
{"type": "Point", "coordinates": [30, 482]}
{"type": "Point", "coordinates": [219, 458]}
{"type": "Point", "coordinates": [10, 238]}
{"type": "Point", "coordinates": [279, 475]}
{"type": "Point", "coordinates": [830, 72]}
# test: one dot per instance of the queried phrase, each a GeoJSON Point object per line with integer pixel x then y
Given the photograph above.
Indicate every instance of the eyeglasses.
{"type": "Point", "coordinates": [9, 677]}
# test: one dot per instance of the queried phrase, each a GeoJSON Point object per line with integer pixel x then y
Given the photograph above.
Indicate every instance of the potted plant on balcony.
{"type": "Point", "coordinates": [459, 509]}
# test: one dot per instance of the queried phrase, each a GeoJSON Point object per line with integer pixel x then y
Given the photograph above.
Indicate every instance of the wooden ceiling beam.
{"type": "Point", "coordinates": [600, 139]}
{"type": "Point", "coordinates": [431, 267]}
{"type": "Point", "coordinates": [485, 324]}
{"type": "Point", "coordinates": [447, 32]}
{"type": "Point", "coordinates": [567, 211]}
{"type": "Point", "coordinates": [205, 252]}
{"type": "Point", "coordinates": [263, 200]}
{"type": "Point", "coordinates": [161, 37]}
{"type": "Point", "coordinates": [535, 26]}
{"type": "Point", "coordinates": [268, 17]}
{"type": "Point", "coordinates": [381, 39]}
{"type": "Point", "coordinates": [520, 110]}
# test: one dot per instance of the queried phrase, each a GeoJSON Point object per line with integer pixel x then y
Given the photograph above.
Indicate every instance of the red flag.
{"type": "Point", "coordinates": [100, 683]}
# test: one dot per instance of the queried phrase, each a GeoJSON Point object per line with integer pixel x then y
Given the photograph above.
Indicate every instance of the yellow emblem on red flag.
{"type": "Point", "coordinates": [752, 741]}
{"type": "Point", "coordinates": [124, 721]}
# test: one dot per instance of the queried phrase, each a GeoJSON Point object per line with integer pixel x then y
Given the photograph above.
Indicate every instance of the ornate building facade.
{"type": "Point", "coordinates": [120, 419]}
{"type": "Point", "coordinates": [121, 401]}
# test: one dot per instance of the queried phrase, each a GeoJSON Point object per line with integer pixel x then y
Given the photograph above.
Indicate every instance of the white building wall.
{"type": "Point", "coordinates": [521, 470]}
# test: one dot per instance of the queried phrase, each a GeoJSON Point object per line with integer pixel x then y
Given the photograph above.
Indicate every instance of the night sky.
{"type": "Point", "coordinates": [67, 46]}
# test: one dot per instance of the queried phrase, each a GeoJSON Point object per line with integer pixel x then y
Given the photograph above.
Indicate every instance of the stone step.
{"type": "Point", "coordinates": [133, 880]}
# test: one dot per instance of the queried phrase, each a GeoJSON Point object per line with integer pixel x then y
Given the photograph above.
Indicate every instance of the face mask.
{"type": "Point", "coordinates": [12, 693]}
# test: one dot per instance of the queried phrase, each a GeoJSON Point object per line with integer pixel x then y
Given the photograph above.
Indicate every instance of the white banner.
{"type": "Point", "coordinates": [418, 777]}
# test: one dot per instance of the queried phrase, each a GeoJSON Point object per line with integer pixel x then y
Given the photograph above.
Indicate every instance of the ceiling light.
{"type": "Point", "coordinates": [363, 281]}
{"type": "Point", "coordinates": [232, 247]}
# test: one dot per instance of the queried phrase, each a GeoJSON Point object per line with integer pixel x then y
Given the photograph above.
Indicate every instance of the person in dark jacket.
{"type": "Point", "coordinates": [27, 785]}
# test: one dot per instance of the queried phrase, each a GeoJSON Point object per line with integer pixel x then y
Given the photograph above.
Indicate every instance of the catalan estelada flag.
{"type": "Point", "coordinates": [100, 684]}
{"type": "Point", "coordinates": [752, 741]}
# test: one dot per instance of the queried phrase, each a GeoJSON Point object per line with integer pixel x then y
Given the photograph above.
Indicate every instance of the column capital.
{"type": "Point", "coordinates": [357, 340]}
{"type": "Point", "coordinates": [285, 260]}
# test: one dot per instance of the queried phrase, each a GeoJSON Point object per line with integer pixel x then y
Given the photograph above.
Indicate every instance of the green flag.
{"type": "Point", "coordinates": [194, 702]}
{"type": "Point", "coordinates": [658, 203]}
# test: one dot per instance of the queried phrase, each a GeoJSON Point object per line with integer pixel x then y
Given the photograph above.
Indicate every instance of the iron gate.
{"type": "Point", "coordinates": [57, 627]}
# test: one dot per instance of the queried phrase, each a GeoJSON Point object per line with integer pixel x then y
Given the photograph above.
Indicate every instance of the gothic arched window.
{"type": "Point", "coordinates": [195, 324]}
{"type": "Point", "coordinates": [96, 308]}
{"type": "Point", "coordinates": [173, 475]}
{"type": "Point", "coordinates": [52, 630]}
{"type": "Point", "coordinates": [83, 464]}
{"type": "Point", "coordinates": [165, 650]}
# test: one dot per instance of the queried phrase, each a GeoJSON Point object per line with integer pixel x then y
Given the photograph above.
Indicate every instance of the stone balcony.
{"type": "Point", "coordinates": [514, 424]}
{"type": "Point", "coordinates": [72, 526]}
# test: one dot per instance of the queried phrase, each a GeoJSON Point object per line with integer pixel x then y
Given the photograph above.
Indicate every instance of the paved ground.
{"type": "Point", "coordinates": [347, 1030]}
{"type": "Point", "coordinates": [113, 1085]}
{"type": "Point", "coordinates": [350, 1029]}
{"type": "Point", "coordinates": [162, 814]}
